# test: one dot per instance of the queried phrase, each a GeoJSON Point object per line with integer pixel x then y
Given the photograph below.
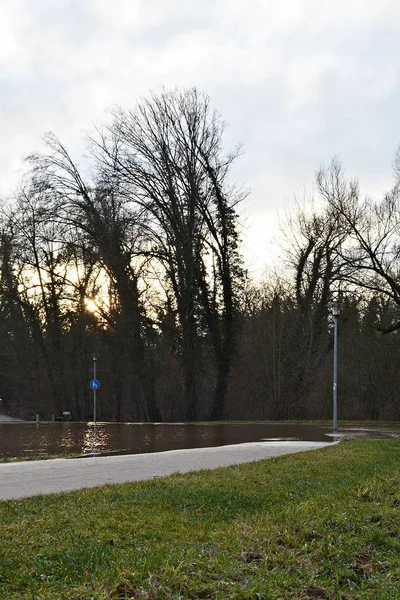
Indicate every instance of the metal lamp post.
{"type": "Point", "coordinates": [336, 315]}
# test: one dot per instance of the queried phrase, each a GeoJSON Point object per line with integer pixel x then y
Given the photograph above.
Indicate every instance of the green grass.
{"type": "Point", "coordinates": [317, 525]}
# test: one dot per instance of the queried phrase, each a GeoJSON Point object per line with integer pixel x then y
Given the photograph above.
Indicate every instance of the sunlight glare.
{"type": "Point", "coordinates": [91, 305]}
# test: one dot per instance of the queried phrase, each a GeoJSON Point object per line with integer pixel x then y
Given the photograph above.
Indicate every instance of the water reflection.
{"type": "Point", "coordinates": [96, 440]}
{"type": "Point", "coordinates": [67, 437]}
{"type": "Point", "coordinates": [88, 439]}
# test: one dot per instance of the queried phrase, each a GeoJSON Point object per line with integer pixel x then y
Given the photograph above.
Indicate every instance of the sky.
{"type": "Point", "coordinates": [297, 82]}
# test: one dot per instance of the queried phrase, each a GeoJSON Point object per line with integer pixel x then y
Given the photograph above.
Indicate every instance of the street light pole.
{"type": "Point", "coordinates": [336, 315]}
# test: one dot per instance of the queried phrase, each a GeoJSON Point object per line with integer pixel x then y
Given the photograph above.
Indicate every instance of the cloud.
{"type": "Point", "coordinates": [298, 82]}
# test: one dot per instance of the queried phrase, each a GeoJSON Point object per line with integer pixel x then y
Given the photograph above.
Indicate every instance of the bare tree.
{"type": "Point", "coordinates": [372, 251]}
{"type": "Point", "coordinates": [99, 213]}
{"type": "Point", "coordinates": [166, 156]}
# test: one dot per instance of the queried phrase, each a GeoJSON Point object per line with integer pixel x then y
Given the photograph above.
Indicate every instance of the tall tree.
{"type": "Point", "coordinates": [313, 257]}
{"type": "Point", "coordinates": [166, 156]}
{"type": "Point", "coordinates": [372, 252]}
{"type": "Point", "coordinates": [99, 213]}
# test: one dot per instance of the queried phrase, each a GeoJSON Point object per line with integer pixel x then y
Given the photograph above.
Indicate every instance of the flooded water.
{"type": "Point", "coordinates": [62, 439]}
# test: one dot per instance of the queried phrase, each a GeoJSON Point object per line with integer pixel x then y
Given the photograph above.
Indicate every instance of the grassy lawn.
{"type": "Point", "coordinates": [317, 525]}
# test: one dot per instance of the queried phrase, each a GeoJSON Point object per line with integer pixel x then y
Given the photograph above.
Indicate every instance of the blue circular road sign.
{"type": "Point", "coordinates": [94, 384]}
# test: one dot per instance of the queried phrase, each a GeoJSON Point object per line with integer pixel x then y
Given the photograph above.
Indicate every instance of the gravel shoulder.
{"type": "Point", "coordinates": [32, 478]}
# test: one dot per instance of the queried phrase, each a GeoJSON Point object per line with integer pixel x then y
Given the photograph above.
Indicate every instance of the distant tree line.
{"type": "Point", "coordinates": [135, 256]}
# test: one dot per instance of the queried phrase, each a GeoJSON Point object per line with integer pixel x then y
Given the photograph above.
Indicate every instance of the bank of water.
{"type": "Point", "coordinates": [31, 439]}
{"type": "Point", "coordinates": [22, 440]}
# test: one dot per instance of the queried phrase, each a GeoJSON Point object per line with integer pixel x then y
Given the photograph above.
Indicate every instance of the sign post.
{"type": "Point", "coordinates": [94, 385]}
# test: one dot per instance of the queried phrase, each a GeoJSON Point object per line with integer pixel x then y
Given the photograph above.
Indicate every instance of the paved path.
{"type": "Point", "coordinates": [31, 478]}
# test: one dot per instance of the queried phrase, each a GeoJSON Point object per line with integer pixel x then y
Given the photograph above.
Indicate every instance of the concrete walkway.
{"type": "Point", "coordinates": [32, 478]}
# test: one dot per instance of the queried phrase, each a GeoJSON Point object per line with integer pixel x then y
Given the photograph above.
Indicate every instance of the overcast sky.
{"type": "Point", "coordinates": [298, 82]}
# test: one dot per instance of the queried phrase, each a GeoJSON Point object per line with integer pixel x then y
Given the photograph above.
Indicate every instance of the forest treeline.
{"type": "Point", "coordinates": [135, 255]}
